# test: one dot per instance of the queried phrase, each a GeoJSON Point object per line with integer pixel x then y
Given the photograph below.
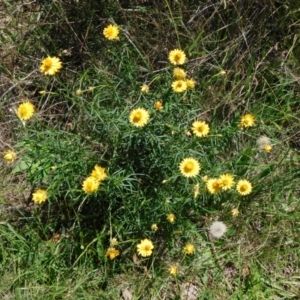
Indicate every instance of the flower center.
{"type": "Point", "coordinates": [200, 128]}
{"type": "Point", "coordinates": [243, 188]}
{"type": "Point", "coordinates": [137, 117]}
{"type": "Point", "coordinates": [147, 248]}
{"type": "Point", "coordinates": [189, 167]}
{"type": "Point", "coordinates": [177, 57]}
{"type": "Point", "coordinates": [48, 63]}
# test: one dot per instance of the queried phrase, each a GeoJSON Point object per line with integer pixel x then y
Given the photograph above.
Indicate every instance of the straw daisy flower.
{"type": "Point", "coordinates": [244, 187]}
{"type": "Point", "coordinates": [90, 185]}
{"type": "Point", "coordinates": [189, 249]}
{"type": "Point", "coordinates": [179, 86]}
{"type": "Point", "coordinates": [154, 227]}
{"type": "Point", "coordinates": [227, 181]}
{"type": "Point", "coordinates": [10, 155]}
{"type": "Point", "coordinates": [111, 32]}
{"type": "Point", "coordinates": [200, 128]}
{"type": "Point", "coordinates": [99, 173]}
{"type": "Point", "coordinates": [247, 120]}
{"type": "Point", "coordinates": [179, 73]}
{"type": "Point", "coordinates": [25, 111]}
{"type": "Point", "coordinates": [112, 253]}
{"type": "Point", "coordinates": [214, 185]}
{"type": "Point", "coordinates": [145, 88]}
{"type": "Point", "coordinates": [189, 167]}
{"type": "Point", "coordinates": [50, 65]}
{"type": "Point", "coordinates": [173, 270]}
{"type": "Point", "coordinates": [217, 229]}
{"type": "Point", "coordinates": [191, 83]}
{"type": "Point", "coordinates": [158, 105]}
{"type": "Point", "coordinates": [235, 212]}
{"type": "Point", "coordinates": [196, 189]}
{"type": "Point", "coordinates": [171, 218]}
{"type": "Point", "coordinates": [39, 196]}
{"type": "Point", "coordinates": [145, 248]}
{"type": "Point", "coordinates": [177, 57]}
{"type": "Point", "coordinates": [139, 117]}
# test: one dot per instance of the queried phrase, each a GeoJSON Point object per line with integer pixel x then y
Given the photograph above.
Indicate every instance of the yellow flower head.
{"type": "Point", "coordinates": [227, 181]}
{"type": "Point", "coordinates": [179, 86]}
{"type": "Point", "coordinates": [200, 128]}
{"type": "Point", "coordinates": [173, 270]}
{"type": "Point", "coordinates": [154, 227]}
{"type": "Point", "coordinates": [267, 148]}
{"type": "Point", "coordinates": [50, 65]}
{"type": "Point", "coordinates": [196, 190]}
{"type": "Point", "coordinates": [114, 242]}
{"type": "Point", "coordinates": [189, 249]}
{"type": "Point", "coordinates": [99, 173]}
{"type": "Point", "coordinates": [177, 57]}
{"type": "Point", "coordinates": [179, 73]}
{"type": "Point", "coordinates": [90, 185]}
{"type": "Point", "coordinates": [39, 196]}
{"type": "Point", "coordinates": [145, 88]}
{"type": "Point", "coordinates": [139, 117]}
{"type": "Point", "coordinates": [247, 120]}
{"type": "Point", "coordinates": [112, 253]}
{"type": "Point", "coordinates": [158, 105]}
{"type": "Point", "coordinates": [244, 187]}
{"type": "Point", "coordinates": [171, 218]}
{"type": "Point", "coordinates": [235, 212]}
{"type": "Point", "coordinates": [10, 155]}
{"type": "Point", "coordinates": [214, 185]}
{"type": "Point", "coordinates": [111, 32]}
{"type": "Point", "coordinates": [25, 111]}
{"type": "Point", "coordinates": [189, 167]}
{"type": "Point", "coordinates": [145, 248]}
{"type": "Point", "coordinates": [79, 92]}
{"type": "Point", "coordinates": [191, 83]}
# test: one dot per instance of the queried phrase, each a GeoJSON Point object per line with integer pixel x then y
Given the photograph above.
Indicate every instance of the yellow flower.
{"type": "Point", "coordinates": [235, 212]}
{"type": "Point", "coordinates": [111, 32]}
{"type": "Point", "coordinates": [247, 120]}
{"type": "Point", "coordinates": [191, 83]}
{"type": "Point", "coordinates": [267, 148]}
{"type": "Point", "coordinates": [214, 185]}
{"type": "Point", "coordinates": [50, 65]}
{"type": "Point", "coordinates": [154, 227]}
{"type": "Point", "coordinates": [99, 173]}
{"type": "Point", "coordinates": [189, 167]}
{"type": "Point", "coordinates": [196, 190]}
{"type": "Point", "coordinates": [78, 92]}
{"type": "Point", "coordinates": [171, 218]}
{"type": "Point", "coordinates": [173, 270]}
{"type": "Point", "coordinates": [112, 253]}
{"type": "Point", "coordinates": [204, 178]}
{"type": "Point", "coordinates": [25, 111]}
{"type": "Point", "coordinates": [177, 57]}
{"type": "Point", "coordinates": [10, 155]}
{"type": "Point", "coordinates": [179, 73]}
{"type": "Point", "coordinates": [114, 242]}
{"type": "Point", "coordinates": [179, 86]}
{"type": "Point", "coordinates": [145, 88]}
{"type": "Point", "coordinates": [158, 105]}
{"type": "Point", "coordinates": [139, 117]}
{"type": "Point", "coordinates": [90, 185]}
{"type": "Point", "coordinates": [227, 181]}
{"type": "Point", "coordinates": [244, 187]}
{"type": "Point", "coordinates": [200, 128]}
{"type": "Point", "coordinates": [189, 249]}
{"type": "Point", "coordinates": [39, 196]}
{"type": "Point", "coordinates": [145, 248]}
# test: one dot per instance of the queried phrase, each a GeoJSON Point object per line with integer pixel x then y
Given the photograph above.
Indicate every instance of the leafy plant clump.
{"type": "Point", "coordinates": [157, 159]}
